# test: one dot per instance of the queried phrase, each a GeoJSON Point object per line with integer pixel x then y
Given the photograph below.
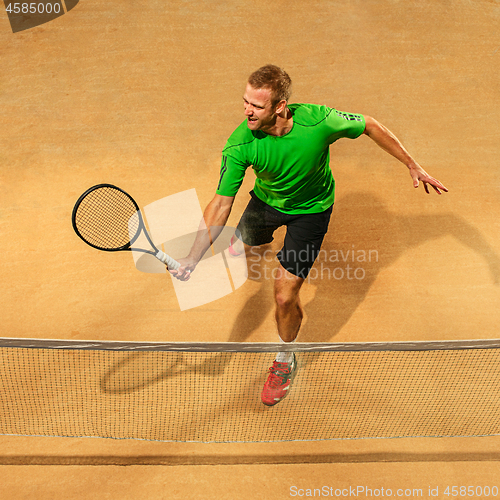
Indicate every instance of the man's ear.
{"type": "Point", "coordinates": [280, 107]}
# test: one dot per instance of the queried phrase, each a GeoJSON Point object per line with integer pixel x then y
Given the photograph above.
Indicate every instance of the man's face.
{"type": "Point", "coordinates": [259, 111]}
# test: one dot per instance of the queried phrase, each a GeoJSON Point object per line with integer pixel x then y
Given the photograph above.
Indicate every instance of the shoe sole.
{"type": "Point", "coordinates": [231, 249]}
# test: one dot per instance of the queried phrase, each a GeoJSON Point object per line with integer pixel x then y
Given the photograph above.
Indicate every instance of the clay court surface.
{"type": "Point", "coordinates": [144, 95]}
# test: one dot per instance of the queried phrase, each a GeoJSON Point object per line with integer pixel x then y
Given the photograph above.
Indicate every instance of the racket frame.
{"type": "Point", "coordinates": [159, 254]}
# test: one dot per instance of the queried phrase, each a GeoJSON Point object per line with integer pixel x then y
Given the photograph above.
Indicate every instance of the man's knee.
{"type": "Point", "coordinates": [286, 292]}
{"type": "Point", "coordinates": [285, 299]}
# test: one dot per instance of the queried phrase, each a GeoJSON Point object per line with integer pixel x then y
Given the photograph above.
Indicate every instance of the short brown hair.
{"type": "Point", "coordinates": [273, 78]}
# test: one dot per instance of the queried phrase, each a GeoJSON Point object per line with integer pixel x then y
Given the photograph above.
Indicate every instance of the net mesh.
{"type": "Point", "coordinates": [106, 218]}
{"type": "Point", "coordinates": [189, 396]}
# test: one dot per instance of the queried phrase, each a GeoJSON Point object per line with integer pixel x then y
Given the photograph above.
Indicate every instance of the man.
{"type": "Point", "coordinates": [288, 147]}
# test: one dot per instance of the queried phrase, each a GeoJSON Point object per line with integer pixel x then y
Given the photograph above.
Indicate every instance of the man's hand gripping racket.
{"type": "Point", "coordinates": [107, 218]}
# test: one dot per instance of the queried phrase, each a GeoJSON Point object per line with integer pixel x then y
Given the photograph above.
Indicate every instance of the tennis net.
{"type": "Point", "coordinates": [210, 392]}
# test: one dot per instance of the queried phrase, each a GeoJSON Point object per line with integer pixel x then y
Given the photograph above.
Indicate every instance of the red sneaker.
{"type": "Point", "coordinates": [231, 249]}
{"type": "Point", "coordinates": [279, 382]}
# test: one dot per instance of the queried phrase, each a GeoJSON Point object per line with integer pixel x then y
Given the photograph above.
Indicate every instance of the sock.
{"type": "Point", "coordinates": [285, 357]}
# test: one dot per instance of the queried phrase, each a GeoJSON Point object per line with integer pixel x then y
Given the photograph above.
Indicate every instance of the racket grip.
{"type": "Point", "coordinates": [166, 259]}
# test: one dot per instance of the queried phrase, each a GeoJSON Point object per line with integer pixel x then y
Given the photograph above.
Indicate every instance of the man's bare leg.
{"type": "Point", "coordinates": [289, 316]}
{"type": "Point", "coordinates": [287, 286]}
{"type": "Point", "coordinates": [289, 311]}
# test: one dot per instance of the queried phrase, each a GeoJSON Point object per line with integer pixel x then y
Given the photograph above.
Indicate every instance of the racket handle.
{"type": "Point", "coordinates": [166, 259]}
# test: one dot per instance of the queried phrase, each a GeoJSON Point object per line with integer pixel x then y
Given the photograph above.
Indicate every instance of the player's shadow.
{"type": "Point", "coordinates": [364, 238]}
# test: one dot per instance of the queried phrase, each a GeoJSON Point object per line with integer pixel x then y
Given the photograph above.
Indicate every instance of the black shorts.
{"type": "Point", "coordinates": [304, 234]}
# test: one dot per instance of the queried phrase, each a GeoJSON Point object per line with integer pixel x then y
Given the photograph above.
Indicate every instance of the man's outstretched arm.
{"type": "Point", "coordinates": [214, 219]}
{"type": "Point", "coordinates": [390, 143]}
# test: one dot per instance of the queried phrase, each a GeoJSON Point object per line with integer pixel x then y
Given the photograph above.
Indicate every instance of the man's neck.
{"type": "Point", "coordinates": [283, 124]}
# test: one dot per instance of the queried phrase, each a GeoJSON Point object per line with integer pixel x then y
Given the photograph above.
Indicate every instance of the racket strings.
{"type": "Point", "coordinates": [107, 218]}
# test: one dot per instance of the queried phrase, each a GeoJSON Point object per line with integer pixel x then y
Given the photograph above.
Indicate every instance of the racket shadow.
{"type": "Point", "coordinates": [140, 370]}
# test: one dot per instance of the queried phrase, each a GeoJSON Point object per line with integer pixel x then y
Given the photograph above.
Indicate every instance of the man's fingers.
{"type": "Point", "coordinates": [441, 187]}
{"type": "Point", "coordinates": [436, 185]}
{"type": "Point", "coordinates": [181, 274]}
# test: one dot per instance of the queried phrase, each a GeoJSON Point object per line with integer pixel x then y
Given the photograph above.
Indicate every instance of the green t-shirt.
{"type": "Point", "coordinates": [293, 172]}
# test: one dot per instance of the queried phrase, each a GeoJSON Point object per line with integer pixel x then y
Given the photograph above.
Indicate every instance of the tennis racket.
{"type": "Point", "coordinates": [107, 218]}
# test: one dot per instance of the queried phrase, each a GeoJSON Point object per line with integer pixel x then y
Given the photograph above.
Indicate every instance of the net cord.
{"type": "Point", "coordinates": [248, 346]}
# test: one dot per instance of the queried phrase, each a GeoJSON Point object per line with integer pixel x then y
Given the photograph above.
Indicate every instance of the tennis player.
{"type": "Point", "coordinates": [287, 145]}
